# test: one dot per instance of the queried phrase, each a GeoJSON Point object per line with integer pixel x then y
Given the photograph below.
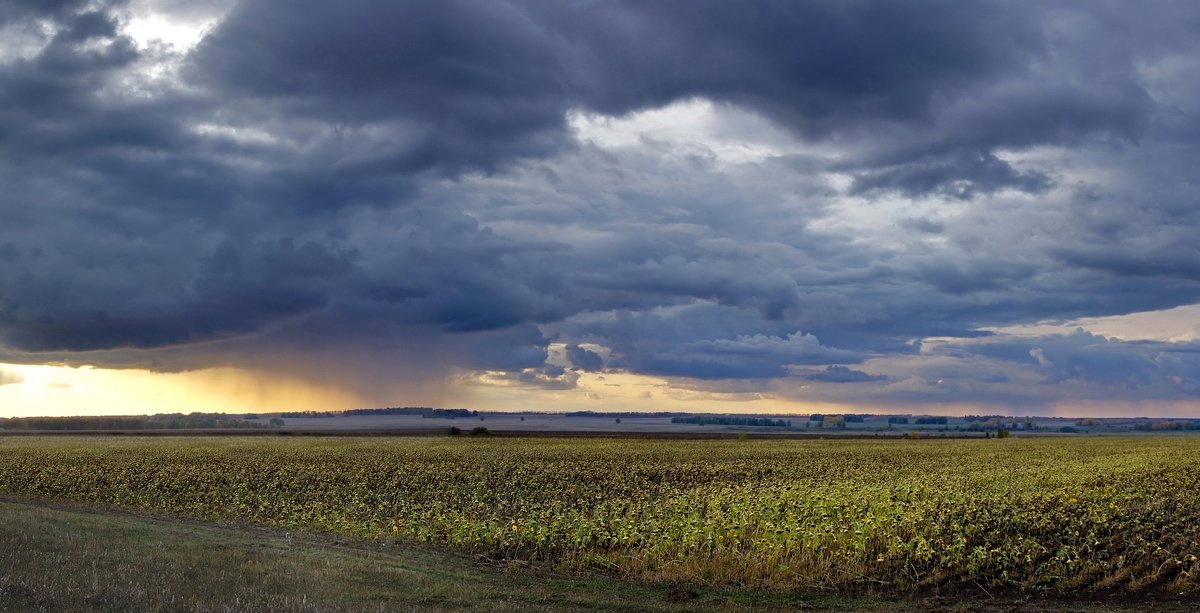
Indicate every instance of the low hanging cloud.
{"type": "Point", "coordinates": [414, 188]}
{"type": "Point", "coordinates": [584, 359]}
{"type": "Point", "coordinates": [549, 378]}
{"type": "Point", "coordinates": [962, 177]}
{"type": "Point", "coordinates": [842, 374]}
{"type": "Point", "coordinates": [10, 377]}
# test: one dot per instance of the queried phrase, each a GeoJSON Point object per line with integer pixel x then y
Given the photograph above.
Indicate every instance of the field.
{"type": "Point", "coordinates": [59, 558]}
{"type": "Point", "coordinates": [998, 516]}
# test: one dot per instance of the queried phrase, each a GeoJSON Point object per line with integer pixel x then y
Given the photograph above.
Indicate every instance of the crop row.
{"type": "Point", "coordinates": [1053, 515]}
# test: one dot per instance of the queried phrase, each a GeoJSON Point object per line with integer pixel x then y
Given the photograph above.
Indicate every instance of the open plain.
{"type": "Point", "coordinates": [1012, 518]}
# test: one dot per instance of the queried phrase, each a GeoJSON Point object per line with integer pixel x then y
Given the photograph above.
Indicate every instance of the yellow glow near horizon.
{"type": "Point", "coordinates": [52, 390]}
{"type": "Point", "coordinates": [61, 390]}
{"type": "Point", "coordinates": [616, 392]}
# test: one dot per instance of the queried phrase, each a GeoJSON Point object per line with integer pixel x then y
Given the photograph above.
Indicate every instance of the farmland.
{"type": "Point", "coordinates": [1029, 516]}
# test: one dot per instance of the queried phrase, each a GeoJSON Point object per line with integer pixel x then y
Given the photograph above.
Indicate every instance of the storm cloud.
{"type": "Point", "coordinates": [805, 197]}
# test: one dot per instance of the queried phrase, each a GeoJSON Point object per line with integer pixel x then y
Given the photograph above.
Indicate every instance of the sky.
{"type": "Point", "coordinates": [732, 206]}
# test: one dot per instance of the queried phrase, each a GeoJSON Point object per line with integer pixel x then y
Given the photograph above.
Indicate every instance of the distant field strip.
{"type": "Point", "coordinates": [1027, 515]}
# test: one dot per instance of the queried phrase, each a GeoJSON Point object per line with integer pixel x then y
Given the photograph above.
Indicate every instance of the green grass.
{"type": "Point", "coordinates": [69, 558]}
{"type": "Point", "coordinates": [59, 559]}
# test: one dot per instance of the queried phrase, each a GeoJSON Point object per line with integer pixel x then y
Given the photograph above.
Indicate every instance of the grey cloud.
{"type": "Point", "coordinates": [964, 277]}
{"type": "Point", "coordinates": [458, 84]}
{"type": "Point", "coordinates": [25, 9]}
{"type": "Point", "coordinates": [1025, 374]}
{"type": "Point", "coordinates": [1169, 369]}
{"type": "Point", "coordinates": [1178, 259]}
{"type": "Point", "coordinates": [904, 381]}
{"type": "Point", "coordinates": [818, 67]}
{"type": "Point", "coordinates": [963, 177]}
{"type": "Point", "coordinates": [10, 253]}
{"type": "Point", "coordinates": [924, 225]}
{"type": "Point", "coordinates": [842, 374]}
{"type": "Point", "coordinates": [584, 359]}
{"type": "Point", "coordinates": [701, 341]}
{"type": "Point", "coordinates": [229, 292]}
{"type": "Point", "coordinates": [517, 348]}
{"type": "Point", "coordinates": [549, 378]}
{"type": "Point", "coordinates": [399, 181]}
{"type": "Point", "coordinates": [723, 280]}
{"type": "Point", "coordinates": [473, 84]}
{"type": "Point", "coordinates": [1096, 359]}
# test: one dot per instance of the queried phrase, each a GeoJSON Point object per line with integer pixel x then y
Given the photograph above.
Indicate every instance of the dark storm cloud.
{"type": "Point", "coordinates": [962, 177]}
{"type": "Point", "coordinates": [25, 9]}
{"type": "Point", "coordinates": [459, 84]}
{"type": "Point", "coordinates": [229, 291]}
{"type": "Point", "coordinates": [471, 84]}
{"type": "Point", "coordinates": [1101, 361]}
{"type": "Point", "coordinates": [842, 374]}
{"type": "Point", "coordinates": [1022, 373]}
{"type": "Point", "coordinates": [584, 359]}
{"type": "Point", "coordinates": [548, 378]}
{"type": "Point", "coordinates": [404, 180]}
{"type": "Point", "coordinates": [704, 340]}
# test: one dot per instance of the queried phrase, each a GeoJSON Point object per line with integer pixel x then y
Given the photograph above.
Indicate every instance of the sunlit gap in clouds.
{"type": "Point", "coordinates": [725, 133]}
{"type": "Point", "coordinates": [35, 390]}
{"type": "Point", "coordinates": [179, 25]}
{"type": "Point", "coordinates": [1177, 325]}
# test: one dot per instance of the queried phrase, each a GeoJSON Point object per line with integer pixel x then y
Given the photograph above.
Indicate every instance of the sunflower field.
{"type": "Point", "coordinates": [1046, 515]}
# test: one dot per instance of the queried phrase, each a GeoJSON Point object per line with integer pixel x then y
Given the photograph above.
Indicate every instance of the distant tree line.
{"type": "Point", "coordinates": [1002, 423]}
{"type": "Point", "coordinates": [422, 411]}
{"type": "Point", "coordinates": [931, 420]}
{"type": "Point", "coordinates": [729, 420]}
{"type": "Point", "coordinates": [171, 421]}
{"type": "Point", "coordinates": [849, 418]}
{"type": "Point", "coordinates": [624, 414]}
{"type": "Point", "coordinates": [1147, 426]}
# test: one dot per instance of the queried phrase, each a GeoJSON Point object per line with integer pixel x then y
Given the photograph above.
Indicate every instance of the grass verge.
{"type": "Point", "coordinates": [71, 558]}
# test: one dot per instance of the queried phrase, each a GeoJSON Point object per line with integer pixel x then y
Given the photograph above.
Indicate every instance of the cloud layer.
{"type": "Point", "coordinates": [806, 198]}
